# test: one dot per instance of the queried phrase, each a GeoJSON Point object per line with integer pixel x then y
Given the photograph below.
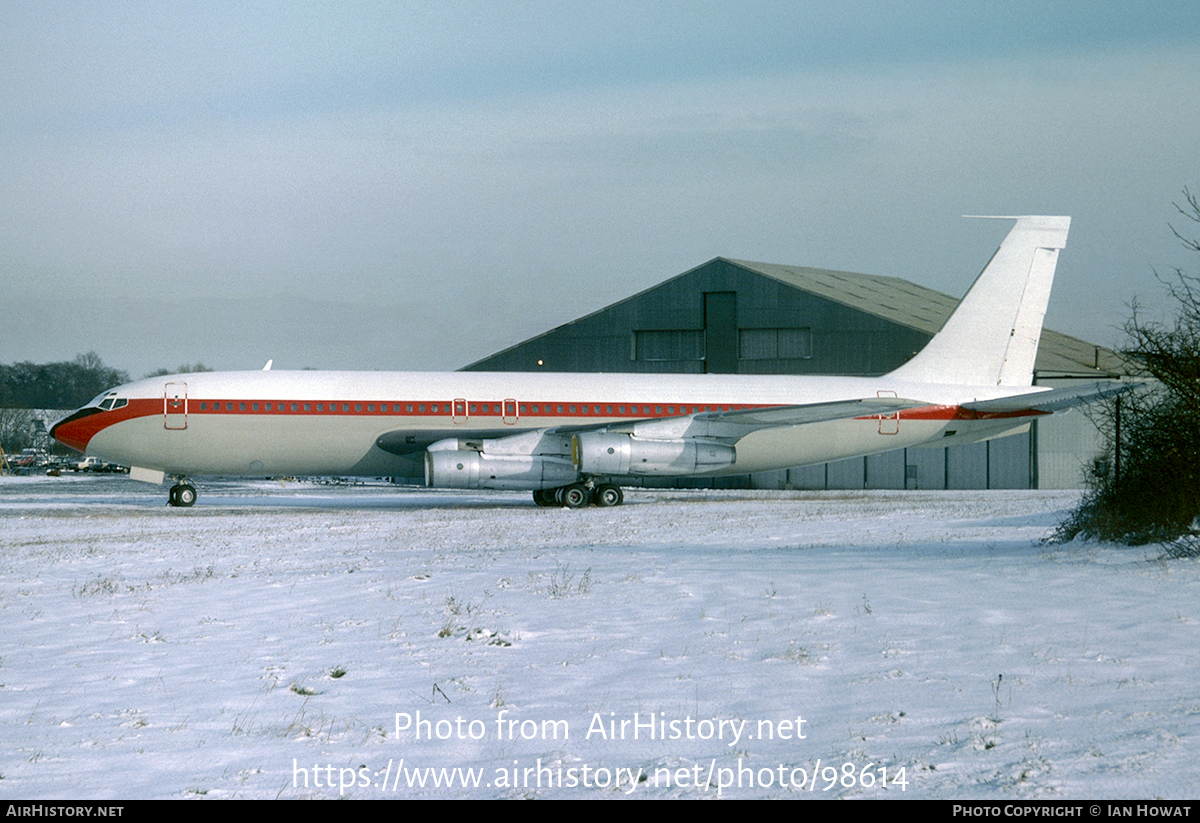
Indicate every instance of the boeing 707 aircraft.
{"type": "Point", "coordinates": [572, 438]}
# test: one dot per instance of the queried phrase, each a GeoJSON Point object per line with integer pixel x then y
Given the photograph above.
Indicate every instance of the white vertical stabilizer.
{"type": "Point", "coordinates": [991, 339]}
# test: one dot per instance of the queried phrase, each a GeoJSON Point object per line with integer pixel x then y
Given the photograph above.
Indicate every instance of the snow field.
{"type": "Point", "coordinates": [279, 641]}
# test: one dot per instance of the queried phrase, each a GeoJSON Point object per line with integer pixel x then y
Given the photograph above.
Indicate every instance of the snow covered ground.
{"type": "Point", "coordinates": [318, 641]}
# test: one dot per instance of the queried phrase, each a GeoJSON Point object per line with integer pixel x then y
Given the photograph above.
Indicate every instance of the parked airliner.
{"type": "Point", "coordinates": [572, 438]}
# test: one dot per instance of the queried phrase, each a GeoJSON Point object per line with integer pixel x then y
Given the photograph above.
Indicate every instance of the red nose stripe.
{"type": "Point", "coordinates": [78, 429]}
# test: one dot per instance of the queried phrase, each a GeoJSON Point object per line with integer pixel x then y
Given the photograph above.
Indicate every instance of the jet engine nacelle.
{"type": "Point", "coordinates": [468, 469]}
{"type": "Point", "coordinates": [614, 453]}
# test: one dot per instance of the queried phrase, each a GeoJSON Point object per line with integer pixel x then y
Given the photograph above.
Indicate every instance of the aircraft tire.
{"type": "Point", "coordinates": [544, 497]}
{"type": "Point", "coordinates": [608, 494]}
{"type": "Point", "coordinates": [186, 496]}
{"type": "Point", "coordinates": [575, 496]}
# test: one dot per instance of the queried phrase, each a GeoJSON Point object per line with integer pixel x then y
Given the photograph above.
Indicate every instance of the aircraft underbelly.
{"type": "Point", "coordinates": [251, 446]}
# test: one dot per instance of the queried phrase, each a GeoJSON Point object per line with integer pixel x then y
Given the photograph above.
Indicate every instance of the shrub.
{"type": "Point", "coordinates": [1148, 488]}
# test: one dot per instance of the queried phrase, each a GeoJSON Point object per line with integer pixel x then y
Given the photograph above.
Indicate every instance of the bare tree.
{"type": "Point", "coordinates": [16, 430]}
{"type": "Point", "coordinates": [1148, 490]}
{"type": "Point", "coordinates": [64, 385]}
{"type": "Point", "coordinates": [183, 368]}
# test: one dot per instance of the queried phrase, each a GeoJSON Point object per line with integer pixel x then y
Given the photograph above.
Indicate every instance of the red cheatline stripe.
{"type": "Point", "coordinates": [77, 433]}
{"type": "Point", "coordinates": [435, 408]}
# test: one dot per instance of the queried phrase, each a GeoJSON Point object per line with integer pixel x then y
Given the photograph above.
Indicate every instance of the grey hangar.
{"type": "Point", "coordinates": [739, 317]}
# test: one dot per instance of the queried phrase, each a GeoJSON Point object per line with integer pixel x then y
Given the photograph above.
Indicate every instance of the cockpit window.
{"type": "Point", "coordinates": [111, 401]}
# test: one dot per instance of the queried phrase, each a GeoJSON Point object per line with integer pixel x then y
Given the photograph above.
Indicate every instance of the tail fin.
{"type": "Point", "coordinates": [992, 337]}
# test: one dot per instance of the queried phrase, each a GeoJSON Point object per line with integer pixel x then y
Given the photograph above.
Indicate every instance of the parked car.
{"type": "Point", "coordinates": [95, 464]}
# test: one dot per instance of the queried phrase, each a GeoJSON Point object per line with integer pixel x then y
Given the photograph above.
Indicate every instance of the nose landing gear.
{"type": "Point", "coordinates": [182, 494]}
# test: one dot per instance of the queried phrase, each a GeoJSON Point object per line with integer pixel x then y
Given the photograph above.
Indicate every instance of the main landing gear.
{"type": "Point", "coordinates": [182, 494]}
{"type": "Point", "coordinates": [578, 495]}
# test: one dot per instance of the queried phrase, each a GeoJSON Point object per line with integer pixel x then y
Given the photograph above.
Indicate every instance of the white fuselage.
{"type": "Point", "coordinates": [378, 423]}
{"type": "Point", "coordinates": [577, 435]}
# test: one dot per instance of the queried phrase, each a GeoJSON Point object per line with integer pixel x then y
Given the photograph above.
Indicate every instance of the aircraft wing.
{"type": "Point", "coordinates": [812, 412]}
{"type": "Point", "coordinates": [728, 426]}
{"type": "Point", "coordinates": [731, 426]}
{"type": "Point", "coordinates": [1054, 400]}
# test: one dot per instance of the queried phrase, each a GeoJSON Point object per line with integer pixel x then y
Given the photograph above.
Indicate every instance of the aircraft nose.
{"type": "Point", "coordinates": [76, 430]}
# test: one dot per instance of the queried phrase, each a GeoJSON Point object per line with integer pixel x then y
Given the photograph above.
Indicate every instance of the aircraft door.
{"type": "Point", "coordinates": [459, 410]}
{"type": "Point", "coordinates": [175, 406]}
{"type": "Point", "coordinates": [888, 423]}
{"type": "Point", "coordinates": [510, 412]}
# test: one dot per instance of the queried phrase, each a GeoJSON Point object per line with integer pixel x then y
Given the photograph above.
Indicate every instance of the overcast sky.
{"type": "Point", "coordinates": [416, 185]}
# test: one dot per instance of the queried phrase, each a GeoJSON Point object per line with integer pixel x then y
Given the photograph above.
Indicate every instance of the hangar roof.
{"type": "Point", "coordinates": [926, 310]}
{"type": "Point", "coordinates": [896, 301]}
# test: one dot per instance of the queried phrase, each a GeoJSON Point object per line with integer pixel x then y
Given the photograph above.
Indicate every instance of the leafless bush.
{"type": "Point", "coordinates": [1148, 488]}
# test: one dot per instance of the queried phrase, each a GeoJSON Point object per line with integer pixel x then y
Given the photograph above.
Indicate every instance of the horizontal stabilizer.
{"type": "Point", "coordinates": [1054, 400]}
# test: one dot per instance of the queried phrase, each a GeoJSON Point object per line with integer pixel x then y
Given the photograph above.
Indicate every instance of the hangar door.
{"type": "Point", "coordinates": [720, 332]}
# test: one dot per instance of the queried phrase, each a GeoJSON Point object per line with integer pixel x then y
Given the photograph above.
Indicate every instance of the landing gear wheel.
{"type": "Point", "coordinates": [607, 495]}
{"type": "Point", "coordinates": [575, 496]}
{"type": "Point", "coordinates": [544, 497]}
{"type": "Point", "coordinates": [182, 494]}
{"type": "Point", "coordinates": [187, 495]}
